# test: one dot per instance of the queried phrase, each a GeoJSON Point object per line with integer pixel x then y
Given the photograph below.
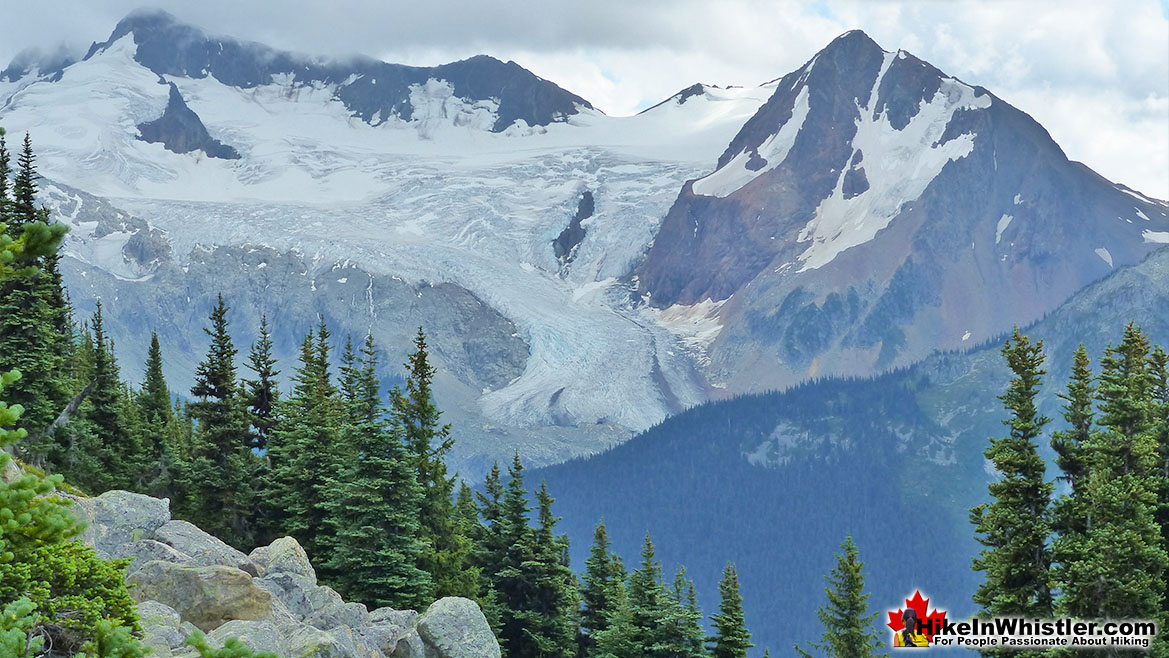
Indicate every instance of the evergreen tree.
{"type": "Point", "coordinates": [648, 602]}
{"type": "Point", "coordinates": [349, 373]}
{"type": "Point", "coordinates": [848, 626]}
{"type": "Point", "coordinates": [448, 559]}
{"type": "Point", "coordinates": [305, 449]}
{"type": "Point", "coordinates": [555, 602]}
{"type": "Point", "coordinates": [155, 399]}
{"type": "Point", "coordinates": [219, 477]}
{"type": "Point", "coordinates": [24, 188]}
{"type": "Point", "coordinates": [34, 316]}
{"type": "Point", "coordinates": [683, 636]}
{"type": "Point", "coordinates": [512, 582]}
{"type": "Point", "coordinates": [262, 392]}
{"type": "Point", "coordinates": [5, 201]}
{"type": "Point", "coordinates": [371, 507]}
{"type": "Point", "coordinates": [1069, 515]}
{"type": "Point", "coordinates": [597, 591]}
{"type": "Point", "coordinates": [1159, 366]}
{"type": "Point", "coordinates": [731, 639]}
{"type": "Point", "coordinates": [1118, 570]}
{"type": "Point", "coordinates": [118, 452]}
{"type": "Point", "coordinates": [1015, 527]}
{"type": "Point", "coordinates": [620, 638]}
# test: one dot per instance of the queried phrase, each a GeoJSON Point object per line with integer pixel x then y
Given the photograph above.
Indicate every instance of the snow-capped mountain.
{"type": "Point", "coordinates": [447, 210]}
{"type": "Point", "coordinates": [876, 209]}
{"type": "Point", "coordinates": [889, 205]}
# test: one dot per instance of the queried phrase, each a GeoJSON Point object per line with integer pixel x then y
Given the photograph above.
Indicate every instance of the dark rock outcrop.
{"type": "Point", "coordinates": [565, 244]}
{"type": "Point", "coordinates": [180, 130]}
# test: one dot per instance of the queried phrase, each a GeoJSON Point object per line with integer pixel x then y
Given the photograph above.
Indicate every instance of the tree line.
{"type": "Point", "coordinates": [356, 474]}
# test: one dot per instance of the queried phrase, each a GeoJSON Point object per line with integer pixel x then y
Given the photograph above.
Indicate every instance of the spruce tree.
{"type": "Point", "coordinates": [848, 627]}
{"type": "Point", "coordinates": [119, 453]}
{"type": "Point", "coordinates": [683, 636]}
{"type": "Point", "coordinates": [731, 638]}
{"type": "Point", "coordinates": [305, 449]}
{"type": "Point", "coordinates": [371, 507]}
{"type": "Point", "coordinates": [648, 601]}
{"type": "Point", "coordinates": [219, 478]}
{"type": "Point", "coordinates": [35, 335]}
{"type": "Point", "coordinates": [155, 399]}
{"type": "Point", "coordinates": [597, 591]}
{"type": "Point", "coordinates": [555, 599]}
{"type": "Point", "coordinates": [1159, 366]}
{"type": "Point", "coordinates": [448, 559]}
{"type": "Point", "coordinates": [1069, 514]}
{"type": "Point", "coordinates": [620, 638]}
{"type": "Point", "coordinates": [1119, 567]}
{"type": "Point", "coordinates": [262, 393]}
{"type": "Point", "coordinates": [1014, 528]}
{"type": "Point", "coordinates": [512, 579]}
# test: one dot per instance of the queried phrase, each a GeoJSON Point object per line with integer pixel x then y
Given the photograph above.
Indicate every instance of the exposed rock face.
{"type": "Point", "coordinates": [180, 130]}
{"type": "Point", "coordinates": [456, 628]}
{"type": "Point", "coordinates": [187, 580]}
{"type": "Point", "coordinates": [208, 596]}
{"type": "Point", "coordinates": [875, 210]}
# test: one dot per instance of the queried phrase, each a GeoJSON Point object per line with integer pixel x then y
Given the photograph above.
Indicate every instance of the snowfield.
{"type": "Point", "coordinates": [438, 199]}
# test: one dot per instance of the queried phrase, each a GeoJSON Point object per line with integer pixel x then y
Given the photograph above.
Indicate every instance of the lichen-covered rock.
{"type": "Point", "coordinates": [410, 646]}
{"type": "Point", "coordinates": [398, 618]}
{"type": "Point", "coordinates": [455, 627]}
{"type": "Point", "coordinates": [291, 590]}
{"type": "Point", "coordinates": [118, 518]}
{"type": "Point", "coordinates": [285, 555]}
{"type": "Point", "coordinates": [204, 549]}
{"type": "Point", "coordinates": [160, 626]}
{"type": "Point", "coordinates": [383, 637]}
{"type": "Point", "coordinates": [259, 635]}
{"type": "Point", "coordinates": [353, 615]}
{"type": "Point", "coordinates": [148, 550]}
{"type": "Point", "coordinates": [310, 642]}
{"type": "Point", "coordinates": [207, 596]}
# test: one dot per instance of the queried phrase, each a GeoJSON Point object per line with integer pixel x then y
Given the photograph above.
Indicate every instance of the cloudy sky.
{"type": "Point", "coordinates": [1096, 74]}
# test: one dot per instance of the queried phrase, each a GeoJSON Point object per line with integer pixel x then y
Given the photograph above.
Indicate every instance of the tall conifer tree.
{"type": "Point", "coordinates": [371, 507]}
{"type": "Point", "coordinates": [219, 477]}
{"type": "Point", "coordinates": [449, 555]}
{"type": "Point", "coordinates": [731, 638]}
{"type": "Point", "coordinates": [1119, 569]}
{"type": "Point", "coordinates": [848, 626]}
{"type": "Point", "coordinates": [262, 392]}
{"type": "Point", "coordinates": [1014, 528]}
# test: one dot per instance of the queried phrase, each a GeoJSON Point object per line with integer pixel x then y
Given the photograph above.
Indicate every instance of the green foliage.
{"type": "Point", "coordinates": [731, 638]}
{"type": "Point", "coordinates": [1015, 527]}
{"type": "Point", "coordinates": [262, 393]}
{"type": "Point", "coordinates": [1117, 566]}
{"type": "Point", "coordinates": [448, 556]}
{"type": "Point", "coordinates": [848, 627]}
{"type": "Point", "coordinates": [217, 478]}
{"type": "Point", "coordinates": [599, 591]}
{"type": "Point", "coordinates": [34, 317]}
{"type": "Point", "coordinates": [232, 648]}
{"type": "Point", "coordinates": [70, 585]}
{"type": "Point", "coordinates": [371, 507]}
{"type": "Point", "coordinates": [306, 449]}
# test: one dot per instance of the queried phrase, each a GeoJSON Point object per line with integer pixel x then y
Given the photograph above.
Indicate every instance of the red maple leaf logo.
{"type": "Point", "coordinates": [919, 606]}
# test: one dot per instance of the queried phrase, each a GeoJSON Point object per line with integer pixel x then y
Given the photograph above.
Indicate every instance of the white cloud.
{"type": "Point", "coordinates": [1095, 74]}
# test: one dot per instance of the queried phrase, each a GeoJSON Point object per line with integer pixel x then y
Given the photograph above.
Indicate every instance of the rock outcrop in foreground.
{"type": "Point", "coordinates": [186, 580]}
